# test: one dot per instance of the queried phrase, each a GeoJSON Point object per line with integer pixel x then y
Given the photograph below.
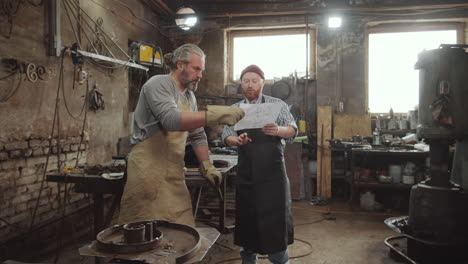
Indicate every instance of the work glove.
{"type": "Point", "coordinates": [211, 173]}
{"type": "Point", "coordinates": [223, 115]}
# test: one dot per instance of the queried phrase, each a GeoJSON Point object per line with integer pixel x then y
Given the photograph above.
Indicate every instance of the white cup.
{"type": "Point", "coordinates": [408, 179]}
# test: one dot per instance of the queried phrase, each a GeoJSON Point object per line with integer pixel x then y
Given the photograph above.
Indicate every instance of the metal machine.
{"type": "Point", "coordinates": [146, 54]}
{"type": "Point", "coordinates": [154, 242]}
{"type": "Point", "coordinates": [436, 229]}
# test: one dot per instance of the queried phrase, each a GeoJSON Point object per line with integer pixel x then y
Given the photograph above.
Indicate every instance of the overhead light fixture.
{"type": "Point", "coordinates": [334, 22]}
{"type": "Point", "coordinates": [186, 18]}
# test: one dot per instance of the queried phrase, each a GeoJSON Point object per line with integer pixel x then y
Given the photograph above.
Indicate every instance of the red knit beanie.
{"type": "Point", "coordinates": [253, 68]}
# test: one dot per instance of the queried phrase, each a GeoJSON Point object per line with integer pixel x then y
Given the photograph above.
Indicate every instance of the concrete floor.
{"type": "Point", "coordinates": [352, 238]}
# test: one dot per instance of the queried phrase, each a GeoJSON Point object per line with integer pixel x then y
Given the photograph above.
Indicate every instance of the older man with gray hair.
{"type": "Point", "coordinates": [166, 116]}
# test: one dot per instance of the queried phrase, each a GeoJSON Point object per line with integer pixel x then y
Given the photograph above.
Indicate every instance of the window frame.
{"type": "Point", "coordinates": [312, 30]}
{"type": "Point", "coordinates": [401, 27]}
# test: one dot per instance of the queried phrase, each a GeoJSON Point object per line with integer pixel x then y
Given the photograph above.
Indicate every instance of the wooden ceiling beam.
{"type": "Point", "coordinates": [161, 7]}
{"type": "Point", "coordinates": [335, 10]}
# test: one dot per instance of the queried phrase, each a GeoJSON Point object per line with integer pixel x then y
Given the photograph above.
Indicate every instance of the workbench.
{"type": "Point", "coordinates": [99, 186]}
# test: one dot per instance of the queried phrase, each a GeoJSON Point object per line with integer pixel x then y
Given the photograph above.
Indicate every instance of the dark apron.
{"type": "Point", "coordinates": [263, 200]}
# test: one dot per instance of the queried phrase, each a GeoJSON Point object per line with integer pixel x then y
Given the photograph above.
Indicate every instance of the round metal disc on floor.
{"type": "Point", "coordinates": [168, 239]}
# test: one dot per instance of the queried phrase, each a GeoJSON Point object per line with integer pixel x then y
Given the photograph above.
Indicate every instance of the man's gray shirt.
{"type": "Point", "coordinates": [158, 106]}
{"type": "Point", "coordinates": [285, 118]}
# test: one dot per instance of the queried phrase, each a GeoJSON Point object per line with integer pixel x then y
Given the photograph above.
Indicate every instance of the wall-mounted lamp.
{"type": "Point", "coordinates": [334, 22]}
{"type": "Point", "coordinates": [186, 18]}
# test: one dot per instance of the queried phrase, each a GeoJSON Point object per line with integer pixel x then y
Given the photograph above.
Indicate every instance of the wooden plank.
{"type": "Point", "coordinates": [346, 126]}
{"type": "Point", "coordinates": [324, 132]}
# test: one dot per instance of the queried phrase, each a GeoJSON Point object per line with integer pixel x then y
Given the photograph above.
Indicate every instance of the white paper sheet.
{"type": "Point", "coordinates": [258, 115]}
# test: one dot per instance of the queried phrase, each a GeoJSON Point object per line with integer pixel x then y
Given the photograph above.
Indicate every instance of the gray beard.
{"type": "Point", "coordinates": [188, 83]}
{"type": "Point", "coordinates": [192, 87]}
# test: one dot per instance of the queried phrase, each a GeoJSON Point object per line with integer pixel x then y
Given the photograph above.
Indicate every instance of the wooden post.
{"type": "Point", "coordinates": [324, 132]}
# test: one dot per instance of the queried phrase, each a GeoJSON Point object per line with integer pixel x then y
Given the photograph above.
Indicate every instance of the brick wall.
{"type": "Point", "coordinates": [22, 164]}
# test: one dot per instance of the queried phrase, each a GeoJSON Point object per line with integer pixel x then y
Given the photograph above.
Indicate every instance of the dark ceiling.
{"type": "Point", "coordinates": [208, 9]}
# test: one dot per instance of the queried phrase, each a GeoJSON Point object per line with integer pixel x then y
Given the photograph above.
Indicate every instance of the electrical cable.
{"type": "Point", "coordinates": [10, 224]}
{"type": "Point", "coordinates": [8, 76]}
{"type": "Point", "coordinates": [77, 9]}
{"type": "Point", "coordinates": [102, 30]}
{"type": "Point", "coordinates": [133, 14]}
{"type": "Point", "coordinates": [65, 99]}
{"type": "Point", "coordinates": [84, 123]}
{"type": "Point", "coordinates": [158, 28]}
{"type": "Point", "coordinates": [77, 39]}
{"type": "Point", "coordinates": [345, 212]}
{"type": "Point", "coordinates": [57, 99]}
{"type": "Point", "coordinates": [313, 222]}
{"type": "Point", "coordinates": [97, 66]}
{"type": "Point", "coordinates": [68, 4]}
{"type": "Point", "coordinates": [62, 204]}
{"type": "Point", "coordinates": [12, 91]}
{"type": "Point", "coordinates": [298, 239]}
{"type": "Point", "coordinates": [8, 9]}
{"type": "Point", "coordinates": [62, 224]}
{"type": "Point", "coordinates": [66, 7]}
{"type": "Point", "coordinates": [291, 257]}
{"type": "Point", "coordinates": [96, 33]}
{"type": "Point", "coordinates": [14, 68]}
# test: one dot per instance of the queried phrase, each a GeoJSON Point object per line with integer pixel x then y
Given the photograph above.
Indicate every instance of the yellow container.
{"type": "Point", "coordinates": [146, 54]}
{"type": "Point", "coordinates": [302, 125]}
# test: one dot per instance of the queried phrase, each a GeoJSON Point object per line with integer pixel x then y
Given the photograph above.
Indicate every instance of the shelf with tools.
{"type": "Point", "coordinates": [385, 170]}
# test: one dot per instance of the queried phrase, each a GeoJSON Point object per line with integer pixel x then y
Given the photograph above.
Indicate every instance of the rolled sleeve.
{"type": "Point", "coordinates": [197, 137]}
{"type": "Point", "coordinates": [228, 131]}
{"type": "Point", "coordinates": [163, 106]}
{"type": "Point", "coordinates": [285, 118]}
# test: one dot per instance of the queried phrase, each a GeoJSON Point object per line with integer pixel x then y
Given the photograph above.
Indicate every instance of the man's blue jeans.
{"type": "Point", "coordinates": [250, 257]}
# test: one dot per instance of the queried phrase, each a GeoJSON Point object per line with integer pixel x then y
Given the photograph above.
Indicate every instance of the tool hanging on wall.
{"type": "Point", "coordinates": [81, 75]}
{"type": "Point", "coordinates": [96, 99]}
{"type": "Point", "coordinates": [77, 59]}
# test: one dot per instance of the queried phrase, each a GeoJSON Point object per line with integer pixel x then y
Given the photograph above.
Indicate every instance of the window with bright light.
{"type": "Point", "coordinates": [393, 82]}
{"type": "Point", "coordinates": [279, 53]}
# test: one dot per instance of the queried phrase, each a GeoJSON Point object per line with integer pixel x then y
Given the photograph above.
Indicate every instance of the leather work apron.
{"type": "Point", "coordinates": [263, 200]}
{"type": "Point", "coordinates": [155, 188]}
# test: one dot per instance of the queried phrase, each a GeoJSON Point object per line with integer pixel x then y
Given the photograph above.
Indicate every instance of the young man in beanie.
{"type": "Point", "coordinates": [166, 116]}
{"type": "Point", "coordinates": [263, 201]}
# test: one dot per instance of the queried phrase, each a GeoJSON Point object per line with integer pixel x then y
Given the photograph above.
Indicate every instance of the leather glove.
{"type": "Point", "coordinates": [211, 173]}
{"type": "Point", "coordinates": [223, 115]}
